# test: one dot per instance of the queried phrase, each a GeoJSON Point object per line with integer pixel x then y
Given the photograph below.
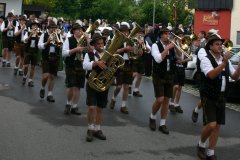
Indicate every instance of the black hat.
{"type": "Point", "coordinates": [52, 24]}
{"type": "Point", "coordinates": [2, 17]}
{"type": "Point", "coordinates": [10, 14]}
{"type": "Point", "coordinates": [106, 32]}
{"type": "Point", "coordinates": [95, 37]}
{"type": "Point", "coordinates": [163, 30]}
{"type": "Point", "coordinates": [211, 38]}
{"type": "Point", "coordinates": [34, 22]}
{"type": "Point", "coordinates": [76, 26]}
{"type": "Point", "coordinates": [124, 28]}
{"type": "Point", "coordinates": [22, 18]}
{"type": "Point", "coordinates": [178, 31]}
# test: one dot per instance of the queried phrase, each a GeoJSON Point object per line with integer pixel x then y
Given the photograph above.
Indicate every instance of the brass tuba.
{"type": "Point", "coordinates": [100, 80]}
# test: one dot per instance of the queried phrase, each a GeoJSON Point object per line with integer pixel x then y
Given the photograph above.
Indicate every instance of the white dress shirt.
{"type": "Point", "coordinates": [206, 67]}
{"type": "Point", "coordinates": [156, 53]}
{"type": "Point", "coordinates": [87, 64]}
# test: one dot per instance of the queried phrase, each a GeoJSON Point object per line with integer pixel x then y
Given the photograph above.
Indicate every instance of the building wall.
{"type": "Point", "coordinates": [221, 22]}
{"type": "Point", "coordinates": [15, 5]}
{"type": "Point", "coordinates": [235, 24]}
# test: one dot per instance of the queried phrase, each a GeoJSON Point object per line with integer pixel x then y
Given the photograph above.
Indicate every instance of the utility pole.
{"type": "Point", "coordinates": [154, 8]}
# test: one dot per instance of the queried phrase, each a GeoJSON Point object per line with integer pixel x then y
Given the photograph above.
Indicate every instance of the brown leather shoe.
{"type": "Point", "coordinates": [124, 110]}
{"type": "Point", "coordinates": [112, 104]}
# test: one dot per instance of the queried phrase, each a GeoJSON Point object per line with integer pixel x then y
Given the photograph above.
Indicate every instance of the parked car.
{"type": "Point", "coordinates": [233, 90]}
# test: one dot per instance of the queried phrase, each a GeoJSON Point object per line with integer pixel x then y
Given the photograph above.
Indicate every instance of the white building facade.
{"type": "Point", "coordinates": [235, 25]}
{"type": "Point", "coordinates": [10, 6]}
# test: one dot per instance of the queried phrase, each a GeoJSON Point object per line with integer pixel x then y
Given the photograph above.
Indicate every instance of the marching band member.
{"type": "Point", "coordinates": [124, 76]}
{"type": "Point", "coordinates": [50, 43]}
{"type": "Point", "coordinates": [163, 74]}
{"type": "Point", "coordinates": [7, 28]}
{"type": "Point", "coordinates": [216, 70]}
{"type": "Point", "coordinates": [19, 47]}
{"type": "Point", "coordinates": [96, 101]}
{"type": "Point", "coordinates": [179, 77]}
{"type": "Point", "coordinates": [138, 63]}
{"type": "Point", "coordinates": [31, 50]}
{"type": "Point", "coordinates": [75, 74]}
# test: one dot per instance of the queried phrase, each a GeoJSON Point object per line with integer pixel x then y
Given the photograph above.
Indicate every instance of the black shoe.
{"type": "Point", "coordinates": [137, 94]}
{"type": "Point", "coordinates": [213, 157]}
{"type": "Point", "coordinates": [194, 116]}
{"type": "Point", "coordinates": [130, 90]}
{"type": "Point", "coordinates": [112, 104]}
{"type": "Point", "coordinates": [8, 65]}
{"type": "Point", "coordinates": [15, 71]}
{"type": "Point", "coordinates": [42, 93]}
{"type": "Point", "coordinates": [31, 84]}
{"type": "Point", "coordinates": [24, 80]}
{"type": "Point", "coordinates": [20, 73]}
{"type": "Point", "coordinates": [178, 109]}
{"type": "Point", "coordinates": [3, 64]}
{"type": "Point", "coordinates": [75, 111]}
{"type": "Point", "coordinates": [201, 152]}
{"type": "Point", "coordinates": [67, 109]}
{"type": "Point", "coordinates": [50, 99]}
{"type": "Point", "coordinates": [99, 135]}
{"type": "Point", "coordinates": [163, 129]}
{"type": "Point", "coordinates": [152, 124]}
{"type": "Point", "coordinates": [124, 110]}
{"type": "Point", "coordinates": [89, 137]}
{"type": "Point", "coordinates": [172, 108]}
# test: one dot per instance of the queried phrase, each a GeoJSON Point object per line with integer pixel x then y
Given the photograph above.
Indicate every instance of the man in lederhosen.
{"type": "Point", "coordinates": [216, 69]}
{"type": "Point", "coordinates": [51, 48]}
{"type": "Point", "coordinates": [179, 78]}
{"type": "Point", "coordinates": [75, 74]}
{"type": "Point", "coordinates": [124, 75]}
{"type": "Point", "coordinates": [30, 56]}
{"type": "Point", "coordinates": [7, 29]}
{"type": "Point", "coordinates": [138, 63]}
{"type": "Point", "coordinates": [96, 101]}
{"type": "Point", "coordinates": [19, 47]}
{"type": "Point", "coordinates": [164, 64]}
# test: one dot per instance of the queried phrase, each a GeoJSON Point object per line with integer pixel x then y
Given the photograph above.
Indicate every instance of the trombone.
{"type": "Point", "coordinates": [184, 46]}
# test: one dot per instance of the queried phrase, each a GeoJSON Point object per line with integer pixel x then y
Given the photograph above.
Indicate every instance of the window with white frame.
{"type": "Point", "coordinates": [238, 37]}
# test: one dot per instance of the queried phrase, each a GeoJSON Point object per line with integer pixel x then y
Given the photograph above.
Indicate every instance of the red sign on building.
{"type": "Point", "coordinates": [210, 20]}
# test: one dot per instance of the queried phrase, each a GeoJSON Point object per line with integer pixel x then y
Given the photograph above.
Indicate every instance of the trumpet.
{"type": "Point", "coordinates": [55, 39]}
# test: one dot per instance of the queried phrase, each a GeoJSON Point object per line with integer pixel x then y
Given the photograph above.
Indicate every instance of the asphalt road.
{"type": "Point", "coordinates": [33, 129]}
